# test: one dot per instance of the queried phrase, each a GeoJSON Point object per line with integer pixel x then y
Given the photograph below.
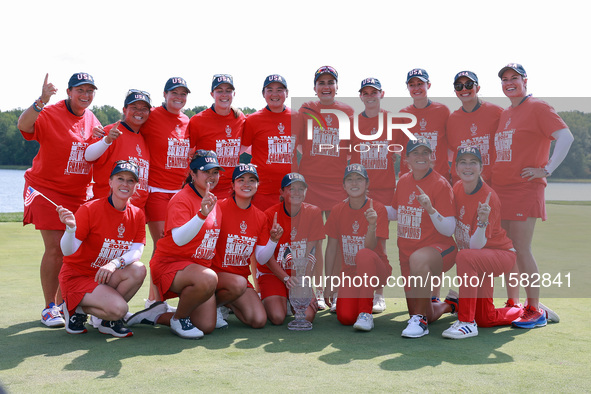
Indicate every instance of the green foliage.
{"type": "Point", "coordinates": [577, 163]}
{"type": "Point", "coordinates": [107, 114]}
{"type": "Point", "coordinates": [248, 110]}
{"type": "Point", "coordinates": [195, 110]}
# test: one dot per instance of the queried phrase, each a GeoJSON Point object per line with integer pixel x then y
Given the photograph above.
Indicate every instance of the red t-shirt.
{"type": "Point", "coordinates": [475, 129]}
{"type": "Point", "coordinates": [415, 228]}
{"type": "Point", "coordinates": [321, 161]}
{"type": "Point", "coordinates": [63, 137]}
{"type": "Point", "coordinates": [523, 140]}
{"type": "Point", "coordinates": [269, 134]}
{"type": "Point", "coordinates": [167, 139]}
{"type": "Point", "coordinates": [221, 134]}
{"type": "Point", "coordinates": [129, 146]}
{"type": "Point", "coordinates": [306, 226]}
{"type": "Point", "coordinates": [467, 218]}
{"type": "Point", "coordinates": [241, 231]}
{"type": "Point", "coordinates": [182, 207]}
{"type": "Point", "coordinates": [431, 124]}
{"type": "Point", "coordinates": [349, 227]}
{"type": "Point", "coordinates": [378, 156]}
{"type": "Point", "coordinates": [106, 233]}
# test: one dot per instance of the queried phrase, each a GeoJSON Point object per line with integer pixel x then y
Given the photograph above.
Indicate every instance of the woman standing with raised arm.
{"type": "Point", "coordinates": [59, 171]}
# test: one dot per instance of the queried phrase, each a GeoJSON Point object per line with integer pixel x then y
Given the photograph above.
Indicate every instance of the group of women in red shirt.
{"type": "Point", "coordinates": [211, 217]}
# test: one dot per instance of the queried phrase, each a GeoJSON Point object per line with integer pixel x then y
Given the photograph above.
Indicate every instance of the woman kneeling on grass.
{"type": "Point", "coordinates": [425, 246]}
{"type": "Point", "coordinates": [305, 235]}
{"type": "Point", "coordinates": [357, 230]}
{"type": "Point", "coordinates": [244, 231]}
{"type": "Point", "coordinates": [102, 246]}
{"type": "Point", "coordinates": [180, 265]}
{"type": "Point", "coordinates": [485, 249]}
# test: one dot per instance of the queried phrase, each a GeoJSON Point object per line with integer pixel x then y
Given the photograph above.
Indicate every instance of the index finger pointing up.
{"type": "Point", "coordinates": [275, 220]}
{"type": "Point", "coordinates": [46, 78]}
{"type": "Point", "coordinates": [207, 188]}
{"type": "Point", "coordinates": [371, 203]}
{"type": "Point", "coordinates": [488, 198]}
{"type": "Point", "coordinates": [421, 190]}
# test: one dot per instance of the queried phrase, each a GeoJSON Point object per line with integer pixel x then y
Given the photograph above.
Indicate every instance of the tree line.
{"type": "Point", "coordinates": [15, 151]}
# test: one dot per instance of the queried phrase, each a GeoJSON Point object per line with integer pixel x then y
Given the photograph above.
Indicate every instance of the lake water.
{"type": "Point", "coordinates": [13, 182]}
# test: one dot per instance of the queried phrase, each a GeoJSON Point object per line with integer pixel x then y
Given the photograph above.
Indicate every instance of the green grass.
{"type": "Point", "coordinates": [11, 217]}
{"type": "Point", "coordinates": [331, 357]}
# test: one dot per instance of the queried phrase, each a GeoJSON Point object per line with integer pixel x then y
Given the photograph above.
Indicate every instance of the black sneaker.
{"type": "Point", "coordinates": [115, 328]}
{"type": "Point", "coordinates": [75, 323]}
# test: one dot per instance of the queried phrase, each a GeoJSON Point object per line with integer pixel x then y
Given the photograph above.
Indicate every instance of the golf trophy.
{"type": "Point", "coordinates": [300, 295]}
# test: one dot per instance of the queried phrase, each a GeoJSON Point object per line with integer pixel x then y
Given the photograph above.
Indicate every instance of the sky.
{"type": "Point", "coordinates": [139, 45]}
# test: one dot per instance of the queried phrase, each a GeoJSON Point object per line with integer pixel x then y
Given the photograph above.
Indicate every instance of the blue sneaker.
{"type": "Point", "coordinates": [75, 324]}
{"type": "Point", "coordinates": [531, 318]}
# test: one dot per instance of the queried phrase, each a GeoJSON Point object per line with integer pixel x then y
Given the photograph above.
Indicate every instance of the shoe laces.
{"type": "Point", "coordinates": [186, 324]}
{"type": "Point", "coordinates": [415, 319]}
{"type": "Point", "coordinates": [528, 312]}
{"type": "Point", "coordinates": [54, 311]}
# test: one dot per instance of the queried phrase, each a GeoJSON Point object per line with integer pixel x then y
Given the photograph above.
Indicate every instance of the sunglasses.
{"type": "Point", "coordinates": [326, 69]}
{"type": "Point", "coordinates": [130, 91]}
{"type": "Point", "coordinates": [468, 85]}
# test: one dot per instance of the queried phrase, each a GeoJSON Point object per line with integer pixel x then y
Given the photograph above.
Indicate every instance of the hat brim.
{"type": "Point", "coordinates": [178, 86]}
{"type": "Point", "coordinates": [510, 68]}
{"type": "Point", "coordinates": [468, 153]}
{"type": "Point", "coordinates": [135, 176]}
{"type": "Point", "coordinates": [209, 167]}
{"type": "Point", "coordinates": [83, 83]}
{"type": "Point", "coordinates": [136, 100]}
{"type": "Point", "coordinates": [326, 72]}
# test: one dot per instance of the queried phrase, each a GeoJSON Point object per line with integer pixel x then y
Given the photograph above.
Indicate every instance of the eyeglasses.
{"type": "Point", "coordinates": [130, 91]}
{"type": "Point", "coordinates": [468, 85]}
{"type": "Point", "coordinates": [327, 69]}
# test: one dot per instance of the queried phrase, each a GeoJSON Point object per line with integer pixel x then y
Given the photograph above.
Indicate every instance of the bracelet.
{"type": "Point", "coordinates": [122, 261]}
{"type": "Point", "coordinates": [200, 215]}
{"type": "Point", "coordinates": [546, 172]}
{"type": "Point", "coordinates": [36, 107]}
{"type": "Point", "coordinates": [482, 224]}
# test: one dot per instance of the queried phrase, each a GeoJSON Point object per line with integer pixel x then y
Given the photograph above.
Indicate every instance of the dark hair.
{"type": "Point", "coordinates": [198, 153]}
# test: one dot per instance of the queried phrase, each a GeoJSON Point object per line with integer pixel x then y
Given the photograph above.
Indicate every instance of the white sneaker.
{"type": "Point", "coordinates": [550, 314]}
{"type": "Point", "coordinates": [379, 303]}
{"type": "Point", "coordinates": [461, 330]}
{"type": "Point", "coordinates": [169, 308]}
{"type": "Point", "coordinates": [364, 322]}
{"type": "Point", "coordinates": [95, 321]}
{"type": "Point", "coordinates": [225, 312]}
{"type": "Point", "coordinates": [416, 328]}
{"type": "Point", "coordinates": [185, 329]}
{"type": "Point", "coordinates": [333, 306]}
{"type": "Point", "coordinates": [52, 316]}
{"type": "Point", "coordinates": [219, 320]}
{"type": "Point", "coordinates": [149, 315]}
{"type": "Point", "coordinates": [320, 299]}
